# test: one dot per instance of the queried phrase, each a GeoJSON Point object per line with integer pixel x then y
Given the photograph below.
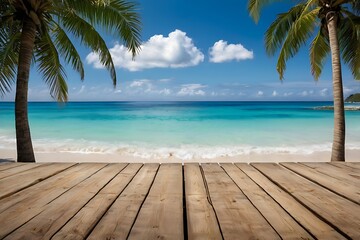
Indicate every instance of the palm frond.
{"type": "Point", "coordinates": [9, 53]}
{"type": "Point", "coordinates": [255, 6]}
{"type": "Point", "coordinates": [49, 65]}
{"type": "Point", "coordinates": [301, 29]}
{"type": "Point", "coordinates": [319, 49]}
{"type": "Point", "coordinates": [349, 41]}
{"type": "Point", "coordinates": [119, 18]}
{"type": "Point", "coordinates": [91, 38]}
{"type": "Point", "coordinates": [278, 30]}
{"type": "Point", "coordinates": [67, 50]}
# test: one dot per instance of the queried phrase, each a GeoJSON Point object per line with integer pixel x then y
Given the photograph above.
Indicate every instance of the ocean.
{"type": "Point", "coordinates": [186, 130]}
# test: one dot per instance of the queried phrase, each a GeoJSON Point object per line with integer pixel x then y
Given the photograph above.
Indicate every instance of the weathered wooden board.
{"type": "Point", "coordinates": [13, 184]}
{"type": "Point", "coordinates": [333, 208]}
{"type": "Point", "coordinates": [85, 220]}
{"type": "Point", "coordinates": [62, 209]}
{"type": "Point", "coordinates": [236, 215]}
{"type": "Point", "coordinates": [118, 220]}
{"type": "Point", "coordinates": [341, 187]}
{"type": "Point", "coordinates": [278, 218]}
{"type": "Point", "coordinates": [8, 165]}
{"type": "Point", "coordinates": [201, 218]}
{"type": "Point", "coordinates": [333, 171]}
{"type": "Point", "coordinates": [161, 215]}
{"type": "Point", "coordinates": [16, 170]}
{"type": "Point", "coordinates": [301, 214]}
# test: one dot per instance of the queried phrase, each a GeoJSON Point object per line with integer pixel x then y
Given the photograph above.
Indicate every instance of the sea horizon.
{"type": "Point", "coordinates": [184, 130]}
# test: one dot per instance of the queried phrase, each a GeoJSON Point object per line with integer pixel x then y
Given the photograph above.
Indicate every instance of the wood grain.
{"type": "Point", "coordinates": [161, 215]}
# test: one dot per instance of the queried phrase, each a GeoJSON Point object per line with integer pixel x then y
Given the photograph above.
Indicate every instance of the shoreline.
{"type": "Point", "coordinates": [324, 156]}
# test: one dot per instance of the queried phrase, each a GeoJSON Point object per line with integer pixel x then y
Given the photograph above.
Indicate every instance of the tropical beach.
{"type": "Point", "coordinates": [171, 132]}
{"type": "Point", "coordinates": [191, 119]}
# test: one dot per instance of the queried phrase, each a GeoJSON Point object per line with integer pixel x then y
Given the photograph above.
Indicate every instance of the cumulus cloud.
{"type": "Point", "coordinates": [173, 51]}
{"type": "Point", "coordinates": [274, 94]}
{"type": "Point", "coordinates": [224, 52]}
{"type": "Point", "coordinates": [260, 93]}
{"type": "Point", "coordinates": [192, 90]}
{"type": "Point", "coordinates": [147, 86]}
{"type": "Point", "coordinates": [324, 92]}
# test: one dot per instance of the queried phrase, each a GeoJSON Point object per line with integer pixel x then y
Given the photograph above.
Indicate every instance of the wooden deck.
{"type": "Point", "coordinates": [171, 201]}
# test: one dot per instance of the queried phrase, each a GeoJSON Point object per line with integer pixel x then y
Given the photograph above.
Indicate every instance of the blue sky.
{"type": "Point", "coordinates": [197, 50]}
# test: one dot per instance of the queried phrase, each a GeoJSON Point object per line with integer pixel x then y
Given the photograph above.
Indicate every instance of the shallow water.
{"type": "Point", "coordinates": [182, 129]}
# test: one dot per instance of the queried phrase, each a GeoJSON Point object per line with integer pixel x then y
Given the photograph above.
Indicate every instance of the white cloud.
{"type": "Point", "coordinates": [274, 94]}
{"type": "Point", "coordinates": [304, 93]}
{"type": "Point", "coordinates": [324, 92]}
{"type": "Point", "coordinates": [165, 91]}
{"type": "Point", "coordinates": [175, 51]}
{"type": "Point", "coordinates": [288, 94]}
{"type": "Point", "coordinates": [260, 93]}
{"type": "Point", "coordinates": [348, 90]}
{"type": "Point", "coordinates": [192, 90]}
{"type": "Point", "coordinates": [224, 52]}
{"type": "Point", "coordinates": [81, 89]}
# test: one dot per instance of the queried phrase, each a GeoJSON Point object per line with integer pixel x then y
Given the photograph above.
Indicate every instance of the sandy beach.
{"type": "Point", "coordinates": [351, 156]}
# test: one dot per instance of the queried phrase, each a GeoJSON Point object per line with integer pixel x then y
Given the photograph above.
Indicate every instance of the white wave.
{"type": "Point", "coordinates": [184, 152]}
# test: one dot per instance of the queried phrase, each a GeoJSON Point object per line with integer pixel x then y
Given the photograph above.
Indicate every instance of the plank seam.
{"type": "Point", "coordinates": [321, 185]}
{"type": "Point", "coordinates": [307, 207]}
{"type": "Point", "coordinates": [324, 173]}
{"type": "Point", "coordinates": [147, 194]}
{"type": "Point", "coordinates": [308, 231]}
{"type": "Point", "coordinates": [77, 184]}
{"type": "Point", "coordinates": [184, 205]}
{"type": "Point", "coordinates": [251, 202]}
{"type": "Point", "coordinates": [88, 200]}
{"type": "Point", "coordinates": [11, 167]}
{"type": "Point", "coordinates": [209, 200]}
{"type": "Point", "coordinates": [107, 209]}
{"type": "Point", "coordinates": [35, 182]}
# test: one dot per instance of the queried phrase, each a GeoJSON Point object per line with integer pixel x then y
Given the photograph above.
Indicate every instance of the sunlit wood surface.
{"type": "Point", "coordinates": [174, 201]}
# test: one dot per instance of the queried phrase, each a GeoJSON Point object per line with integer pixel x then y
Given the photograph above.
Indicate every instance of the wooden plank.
{"type": "Point", "coordinates": [341, 187]}
{"type": "Point", "coordinates": [318, 228]}
{"type": "Point", "coordinates": [161, 215]}
{"type": "Point", "coordinates": [20, 207]}
{"type": "Point", "coordinates": [62, 209]}
{"type": "Point", "coordinates": [85, 220]}
{"type": "Point", "coordinates": [118, 220]}
{"type": "Point", "coordinates": [18, 182]}
{"type": "Point", "coordinates": [201, 218]}
{"type": "Point", "coordinates": [5, 166]}
{"type": "Point", "coordinates": [278, 218]}
{"type": "Point", "coordinates": [353, 164]}
{"type": "Point", "coordinates": [342, 165]}
{"type": "Point", "coordinates": [236, 215]}
{"type": "Point", "coordinates": [19, 169]}
{"type": "Point", "coordinates": [342, 174]}
{"type": "Point", "coordinates": [334, 209]}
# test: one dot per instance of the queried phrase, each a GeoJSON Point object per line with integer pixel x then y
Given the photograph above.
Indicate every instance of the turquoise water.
{"type": "Point", "coordinates": [186, 129]}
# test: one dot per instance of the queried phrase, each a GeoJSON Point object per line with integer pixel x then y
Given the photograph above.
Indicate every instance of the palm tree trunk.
{"type": "Point", "coordinates": [25, 152]}
{"type": "Point", "coordinates": [338, 148]}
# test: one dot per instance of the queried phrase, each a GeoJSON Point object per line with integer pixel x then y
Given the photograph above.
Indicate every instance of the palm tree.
{"type": "Point", "coordinates": [335, 26]}
{"type": "Point", "coordinates": [40, 32]}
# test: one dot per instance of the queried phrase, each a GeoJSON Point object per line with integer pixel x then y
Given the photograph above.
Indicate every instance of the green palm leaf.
{"type": "Point", "coordinates": [349, 41]}
{"type": "Point", "coordinates": [91, 38]}
{"type": "Point", "coordinates": [50, 67]}
{"type": "Point", "coordinates": [67, 49]}
{"type": "Point", "coordinates": [255, 6]}
{"type": "Point", "coordinates": [299, 32]}
{"type": "Point", "coordinates": [318, 51]}
{"type": "Point", "coordinates": [278, 30]}
{"type": "Point", "coordinates": [9, 49]}
{"type": "Point", "coordinates": [118, 18]}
